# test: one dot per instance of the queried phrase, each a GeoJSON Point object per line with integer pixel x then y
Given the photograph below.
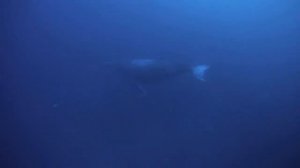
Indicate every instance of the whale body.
{"type": "Point", "coordinates": [152, 70]}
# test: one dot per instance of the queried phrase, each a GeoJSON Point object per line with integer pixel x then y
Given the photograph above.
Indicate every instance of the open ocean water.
{"type": "Point", "coordinates": [64, 103]}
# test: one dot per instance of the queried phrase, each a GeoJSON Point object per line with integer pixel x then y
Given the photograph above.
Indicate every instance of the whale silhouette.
{"type": "Point", "coordinates": [151, 70]}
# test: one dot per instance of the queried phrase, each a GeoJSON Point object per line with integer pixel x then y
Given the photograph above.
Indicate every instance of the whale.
{"type": "Point", "coordinates": [147, 71]}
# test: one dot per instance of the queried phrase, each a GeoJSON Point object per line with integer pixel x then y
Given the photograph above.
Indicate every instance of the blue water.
{"type": "Point", "coordinates": [64, 106]}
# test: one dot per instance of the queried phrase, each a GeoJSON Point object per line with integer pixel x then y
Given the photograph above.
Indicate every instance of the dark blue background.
{"type": "Point", "coordinates": [62, 106]}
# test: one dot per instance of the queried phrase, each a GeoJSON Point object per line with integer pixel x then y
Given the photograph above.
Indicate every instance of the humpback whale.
{"type": "Point", "coordinates": [145, 71]}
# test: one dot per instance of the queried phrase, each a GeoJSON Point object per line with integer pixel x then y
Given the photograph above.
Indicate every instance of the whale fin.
{"type": "Point", "coordinates": [199, 71]}
{"type": "Point", "coordinates": [142, 90]}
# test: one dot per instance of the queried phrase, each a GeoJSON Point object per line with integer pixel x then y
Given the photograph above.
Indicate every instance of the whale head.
{"type": "Point", "coordinates": [199, 71]}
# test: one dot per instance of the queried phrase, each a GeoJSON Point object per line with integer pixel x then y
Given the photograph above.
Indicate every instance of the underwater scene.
{"type": "Point", "coordinates": [149, 84]}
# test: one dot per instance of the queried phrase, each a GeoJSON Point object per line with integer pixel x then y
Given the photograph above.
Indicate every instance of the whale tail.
{"type": "Point", "coordinates": [199, 71]}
